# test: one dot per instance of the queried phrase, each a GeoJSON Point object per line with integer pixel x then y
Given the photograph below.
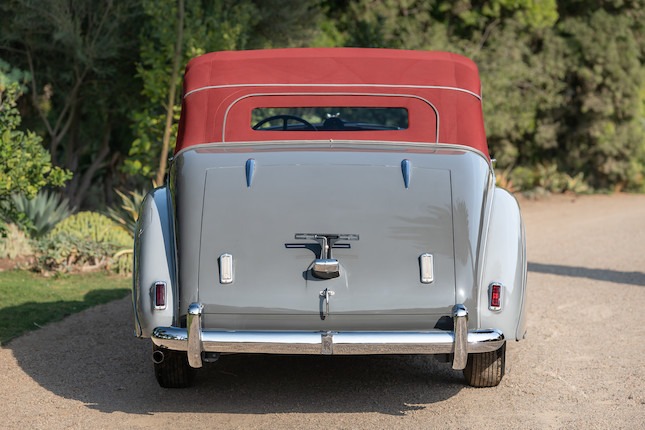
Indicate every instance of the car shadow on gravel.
{"type": "Point", "coordinates": [92, 357]}
{"type": "Point", "coordinates": [30, 316]}
{"type": "Point", "coordinates": [618, 277]}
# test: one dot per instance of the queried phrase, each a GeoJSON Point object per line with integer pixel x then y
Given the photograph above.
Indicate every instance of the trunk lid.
{"type": "Point", "coordinates": [254, 209]}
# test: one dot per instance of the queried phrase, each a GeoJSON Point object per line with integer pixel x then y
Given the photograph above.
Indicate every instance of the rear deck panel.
{"type": "Point", "coordinates": [299, 189]}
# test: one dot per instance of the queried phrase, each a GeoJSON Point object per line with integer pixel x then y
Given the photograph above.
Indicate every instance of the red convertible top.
{"type": "Point", "coordinates": [441, 91]}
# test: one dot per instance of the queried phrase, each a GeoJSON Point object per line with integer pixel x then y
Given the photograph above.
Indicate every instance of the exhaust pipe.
{"type": "Point", "coordinates": [157, 357]}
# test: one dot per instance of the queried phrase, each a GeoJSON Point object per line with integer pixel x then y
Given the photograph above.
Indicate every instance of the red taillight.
{"type": "Point", "coordinates": [495, 297]}
{"type": "Point", "coordinates": [160, 295]}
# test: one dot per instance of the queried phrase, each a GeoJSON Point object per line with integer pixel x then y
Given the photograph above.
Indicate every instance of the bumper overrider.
{"type": "Point", "coordinates": [460, 342]}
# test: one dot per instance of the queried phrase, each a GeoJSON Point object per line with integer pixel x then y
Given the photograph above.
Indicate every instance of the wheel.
{"type": "Point", "coordinates": [285, 119]}
{"type": "Point", "coordinates": [171, 368]}
{"type": "Point", "coordinates": [486, 369]}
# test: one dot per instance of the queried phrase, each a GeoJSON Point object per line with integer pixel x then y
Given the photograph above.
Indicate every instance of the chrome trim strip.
{"type": "Point", "coordinates": [460, 343]}
{"type": "Point", "coordinates": [326, 144]}
{"type": "Point", "coordinates": [426, 87]}
{"type": "Point", "coordinates": [487, 208]}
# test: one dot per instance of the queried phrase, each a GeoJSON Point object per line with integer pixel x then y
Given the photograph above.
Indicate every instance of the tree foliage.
{"type": "Point", "coordinates": [25, 166]}
{"type": "Point", "coordinates": [78, 54]}
{"type": "Point", "coordinates": [211, 26]}
{"type": "Point", "coordinates": [563, 80]}
{"type": "Point", "coordinates": [208, 26]}
{"type": "Point", "coordinates": [604, 134]}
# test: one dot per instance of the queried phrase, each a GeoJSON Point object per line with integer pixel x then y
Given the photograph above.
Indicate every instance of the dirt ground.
{"type": "Point", "coordinates": [582, 365]}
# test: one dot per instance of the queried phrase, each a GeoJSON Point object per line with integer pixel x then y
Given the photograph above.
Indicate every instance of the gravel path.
{"type": "Point", "coordinates": [582, 365]}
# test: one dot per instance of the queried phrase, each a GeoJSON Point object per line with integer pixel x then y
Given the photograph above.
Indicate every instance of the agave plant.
{"type": "Point", "coordinates": [38, 216]}
{"type": "Point", "coordinates": [127, 212]}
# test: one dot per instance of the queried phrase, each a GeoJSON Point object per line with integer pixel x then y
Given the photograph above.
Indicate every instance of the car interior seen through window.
{"type": "Point", "coordinates": [329, 118]}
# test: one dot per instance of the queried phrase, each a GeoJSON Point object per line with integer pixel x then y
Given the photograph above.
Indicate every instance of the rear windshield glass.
{"type": "Point", "coordinates": [329, 118]}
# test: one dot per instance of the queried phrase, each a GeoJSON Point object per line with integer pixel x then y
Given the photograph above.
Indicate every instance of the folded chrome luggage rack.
{"type": "Point", "coordinates": [460, 342]}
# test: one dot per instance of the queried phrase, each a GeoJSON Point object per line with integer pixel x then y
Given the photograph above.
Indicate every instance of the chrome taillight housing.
{"type": "Point", "coordinates": [495, 293]}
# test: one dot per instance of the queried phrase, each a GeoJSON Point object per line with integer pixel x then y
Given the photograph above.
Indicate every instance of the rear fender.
{"type": "Point", "coordinates": [504, 262]}
{"type": "Point", "coordinates": [154, 261]}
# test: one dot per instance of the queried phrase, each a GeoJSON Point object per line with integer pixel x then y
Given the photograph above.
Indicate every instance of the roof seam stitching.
{"type": "Point", "coordinates": [432, 87]}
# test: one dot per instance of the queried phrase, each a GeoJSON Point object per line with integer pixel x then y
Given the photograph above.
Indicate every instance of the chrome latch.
{"type": "Point", "coordinates": [327, 267]}
{"type": "Point", "coordinates": [324, 299]}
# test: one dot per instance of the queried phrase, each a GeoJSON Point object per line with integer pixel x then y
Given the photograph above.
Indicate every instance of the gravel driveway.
{"type": "Point", "coordinates": [582, 365]}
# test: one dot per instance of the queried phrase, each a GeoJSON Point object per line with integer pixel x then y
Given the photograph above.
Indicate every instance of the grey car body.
{"type": "Point", "coordinates": [329, 246]}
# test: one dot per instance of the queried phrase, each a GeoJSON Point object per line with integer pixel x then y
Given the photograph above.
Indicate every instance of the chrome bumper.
{"type": "Point", "coordinates": [460, 342]}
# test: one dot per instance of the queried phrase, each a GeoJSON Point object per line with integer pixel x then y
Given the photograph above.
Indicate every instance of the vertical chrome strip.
{"type": "Point", "coordinates": [460, 319]}
{"type": "Point", "coordinates": [195, 334]}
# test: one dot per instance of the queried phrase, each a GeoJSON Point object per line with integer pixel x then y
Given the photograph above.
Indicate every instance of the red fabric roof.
{"type": "Point", "coordinates": [441, 91]}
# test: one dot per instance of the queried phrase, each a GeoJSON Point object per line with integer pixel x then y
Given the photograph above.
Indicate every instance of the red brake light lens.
{"type": "Point", "coordinates": [160, 295]}
{"type": "Point", "coordinates": [495, 297]}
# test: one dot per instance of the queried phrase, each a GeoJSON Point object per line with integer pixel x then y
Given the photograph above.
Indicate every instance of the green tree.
{"type": "Point", "coordinates": [604, 133]}
{"type": "Point", "coordinates": [462, 25]}
{"type": "Point", "coordinates": [25, 166]}
{"type": "Point", "coordinates": [80, 56]}
{"type": "Point", "coordinates": [562, 82]}
{"type": "Point", "coordinates": [165, 49]}
{"type": "Point", "coordinates": [199, 27]}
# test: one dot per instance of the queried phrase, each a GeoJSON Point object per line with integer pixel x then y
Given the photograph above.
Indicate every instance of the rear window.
{"type": "Point", "coordinates": [329, 118]}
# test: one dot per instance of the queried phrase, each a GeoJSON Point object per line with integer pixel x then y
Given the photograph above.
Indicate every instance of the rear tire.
{"type": "Point", "coordinates": [486, 369]}
{"type": "Point", "coordinates": [173, 371]}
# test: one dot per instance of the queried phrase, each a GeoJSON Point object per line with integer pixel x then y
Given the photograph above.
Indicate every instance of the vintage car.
{"type": "Point", "coordinates": [330, 201]}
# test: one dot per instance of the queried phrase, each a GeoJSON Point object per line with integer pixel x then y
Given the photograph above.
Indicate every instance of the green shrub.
{"type": "Point", "coordinates": [544, 179]}
{"type": "Point", "coordinates": [25, 165]}
{"type": "Point", "coordinates": [523, 178]}
{"type": "Point", "coordinates": [86, 241]}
